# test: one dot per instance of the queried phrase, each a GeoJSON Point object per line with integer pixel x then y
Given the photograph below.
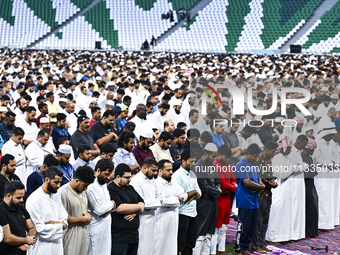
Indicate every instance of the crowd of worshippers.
{"type": "Point", "coordinates": [101, 152]}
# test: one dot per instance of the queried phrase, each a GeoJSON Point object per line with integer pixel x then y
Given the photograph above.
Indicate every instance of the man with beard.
{"type": "Point", "coordinates": [63, 156]}
{"type": "Point", "coordinates": [20, 110]}
{"type": "Point", "coordinates": [81, 136]}
{"type": "Point", "coordinates": [216, 132]}
{"type": "Point", "coordinates": [140, 120]}
{"type": "Point", "coordinates": [18, 229]}
{"type": "Point", "coordinates": [74, 199]}
{"type": "Point", "coordinates": [324, 107]}
{"type": "Point", "coordinates": [43, 113]}
{"type": "Point", "coordinates": [298, 130]}
{"type": "Point", "coordinates": [99, 235]}
{"type": "Point", "coordinates": [230, 138]}
{"type": "Point", "coordinates": [142, 150]}
{"type": "Point", "coordinates": [14, 147]}
{"type": "Point", "coordinates": [48, 214]}
{"type": "Point", "coordinates": [7, 172]}
{"type": "Point", "coordinates": [124, 153]}
{"type": "Point", "coordinates": [103, 131]}
{"type": "Point", "coordinates": [312, 204]}
{"type": "Point", "coordinates": [175, 113]}
{"type": "Point", "coordinates": [84, 158]}
{"type": "Point", "coordinates": [327, 120]}
{"type": "Point", "coordinates": [145, 185]}
{"type": "Point", "coordinates": [36, 151]}
{"type": "Point", "coordinates": [176, 148]}
{"type": "Point", "coordinates": [3, 112]}
{"type": "Point", "coordinates": [125, 218]}
{"type": "Point", "coordinates": [7, 126]}
{"type": "Point", "coordinates": [60, 130]}
{"type": "Point", "coordinates": [36, 179]}
{"type": "Point", "coordinates": [166, 219]}
{"type": "Point", "coordinates": [28, 124]}
{"type": "Point", "coordinates": [210, 187]}
{"type": "Point", "coordinates": [161, 150]}
{"type": "Point", "coordinates": [160, 116]}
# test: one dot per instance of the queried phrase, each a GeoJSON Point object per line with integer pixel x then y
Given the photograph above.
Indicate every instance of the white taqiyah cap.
{"type": "Point", "coordinates": [65, 149]}
{"type": "Point", "coordinates": [210, 147]}
{"type": "Point", "coordinates": [44, 120]}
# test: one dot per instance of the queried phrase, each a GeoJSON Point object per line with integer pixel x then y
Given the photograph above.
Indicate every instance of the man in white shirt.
{"type": "Point", "coordinates": [48, 214]}
{"type": "Point", "coordinates": [71, 117]}
{"type": "Point", "coordinates": [14, 147]}
{"type": "Point", "coordinates": [20, 110]}
{"type": "Point", "coordinates": [28, 124]}
{"type": "Point", "coordinates": [144, 183]}
{"type": "Point", "coordinates": [166, 220]}
{"type": "Point", "coordinates": [99, 230]}
{"type": "Point", "coordinates": [140, 119]}
{"type": "Point", "coordinates": [161, 150]}
{"type": "Point", "coordinates": [36, 151]}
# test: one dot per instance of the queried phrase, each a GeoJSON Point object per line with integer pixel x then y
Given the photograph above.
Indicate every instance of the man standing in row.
{"type": "Point", "coordinates": [129, 204]}
{"type": "Point", "coordinates": [144, 183]}
{"type": "Point", "coordinates": [48, 214]}
{"type": "Point", "coordinates": [18, 229]}
{"type": "Point", "coordinates": [187, 228]}
{"type": "Point", "coordinates": [166, 220]}
{"type": "Point", "coordinates": [75, 202]}
{"type": "Point", "coordinates": [99, 230]}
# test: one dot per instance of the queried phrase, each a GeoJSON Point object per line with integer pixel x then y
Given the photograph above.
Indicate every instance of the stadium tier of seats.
{"type": "Point", "coordinates": [222, 25]}
{"type": "Point", "coordinates": [324, 34]}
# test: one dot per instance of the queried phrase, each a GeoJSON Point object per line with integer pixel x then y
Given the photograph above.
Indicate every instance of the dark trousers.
{"type": "Point", "coordinates": [245, 228]}
{"type": "Point", "coordinates": [187, 234]}
{"type": "Point", "coordinates": [124, 248]}
{"type": "Point", "coordinates": [259, 237]}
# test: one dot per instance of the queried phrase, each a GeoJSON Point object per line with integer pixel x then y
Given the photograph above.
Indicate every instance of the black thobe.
{"type": "Point", "coordinates": [312, 204]}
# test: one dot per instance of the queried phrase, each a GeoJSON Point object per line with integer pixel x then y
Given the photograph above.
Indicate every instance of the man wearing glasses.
{"type": "Point", "coordinates": [125, 219]}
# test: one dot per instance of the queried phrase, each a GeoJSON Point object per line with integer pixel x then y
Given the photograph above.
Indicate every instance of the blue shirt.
{"type": "Point", "coordinates": [68, 173]}
{"type": "Point", "coordinates": [245, 198]}
{"type": "Point", "coordinates": [6, 131]}
{"type": "Point", "coordinates": [34, 181]}
{"type": "Point", "coordinates": [123, 156]}
{"type": "Point", "coordinates": [188, 181]}
{"type": "Point", "coordinates": [57, 133]}
{"type": "Point", "coordinates": [121, 123]}
{"type": "Point", "coordinates": [217, 140]}
{"type": "Point", "coordinates": [337, 122]}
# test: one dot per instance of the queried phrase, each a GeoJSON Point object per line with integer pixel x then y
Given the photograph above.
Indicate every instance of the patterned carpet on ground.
{"type": "Point", "coordinates": [330, 238]}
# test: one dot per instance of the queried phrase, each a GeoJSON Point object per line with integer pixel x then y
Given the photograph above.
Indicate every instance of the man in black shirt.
{"type": "Point", "coordinates": [125, 219]}
{"type": "Point", "coordinates": [15, 221]}
{"type": "Point", "coordinates": [103, 131]}
{"type": "Point", "coordinates": [81, 136]}
{"type": "Point", "coordinates": [7, 172]}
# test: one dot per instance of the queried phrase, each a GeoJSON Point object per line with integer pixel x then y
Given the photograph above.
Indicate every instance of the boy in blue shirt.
{"type": "Point", "coordinates": [249, 185]}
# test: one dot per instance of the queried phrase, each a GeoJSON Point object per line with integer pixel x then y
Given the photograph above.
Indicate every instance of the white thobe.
{"type": "Point", "coordinates": [72, 122]}
{"type": "Point", "coordinates": [158, 120]}
{"type": "Point", "coordinates": [140, 125]}
{"type": "Point", "coordinates": [20, 116]}
{"type": "Point", "coordinates": [172, 115]}
{"type": "Point", "coordinates": [325, 122]}
{"type": "Point", "coordinates": [254, 138]}
{"type": "Point", "coordinates": [10, 147]}
{"type": "Point", "coordinates": [42, 208]}
{"type": "Point", "coordinates": [99, 230]}
{"type": "Point", "coordinates": [160, 153]}
{"type": "Point", "coordinates": [324, 184]}
{"type": "Point", "coordinates": [31, 130]}
{"type": "Point", "coordinates": [242, 142]}
{"type": "Point", "coordinates": [147, 189]}
{"type": "Point", "coordinates": [35, 156]}
{"type": "Point", "coordinates": [298, 212]}
{"type": "Point", "coordinates": [280, 219]}
{"type": "Point", "coordinates": [166, 221]}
